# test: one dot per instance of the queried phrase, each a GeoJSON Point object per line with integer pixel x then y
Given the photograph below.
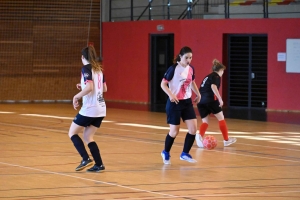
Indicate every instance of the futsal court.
{"type": "Point", "coordinates": [38, 159]}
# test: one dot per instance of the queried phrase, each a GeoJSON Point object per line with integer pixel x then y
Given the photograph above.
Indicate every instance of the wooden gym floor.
{"type": "Point", "coordinates": [37, 158]}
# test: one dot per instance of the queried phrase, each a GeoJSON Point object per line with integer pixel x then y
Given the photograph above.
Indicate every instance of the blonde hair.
{"type": "Point", "coordinates": [89, 53]}
{"type": "Point", "coordinates": [217, 65]}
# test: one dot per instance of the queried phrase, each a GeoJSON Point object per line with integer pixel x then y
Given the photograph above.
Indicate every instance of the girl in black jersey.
{"type": "Point", "coordinates": [211, 102]}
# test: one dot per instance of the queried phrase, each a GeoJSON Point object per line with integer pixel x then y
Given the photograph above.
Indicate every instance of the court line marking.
{"type": "Point", "coordinates": [221, 195]}
{"type": "Point", "coordinates": [169, 196]}
{"type": "Point", "coordinates": [146, 191]}
{"type": "Point", "coordinates": [55, 117]}
{"type": "Point", "coordinates": [141, 141]}
{"type": "Point", "coordinates": [91, 180]}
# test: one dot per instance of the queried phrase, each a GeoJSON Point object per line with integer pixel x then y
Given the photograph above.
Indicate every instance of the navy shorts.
{"type": "Point", "coordinates": [208, 108]}
{"type": "Point", "coordinates": [84, 121]}
{"type": "Point", "coordinates": [184, 109]}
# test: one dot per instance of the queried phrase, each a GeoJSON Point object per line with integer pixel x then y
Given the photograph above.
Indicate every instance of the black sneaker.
{"type": "Point", "coordinates": [96, 168]}
{"type": "Point", "coordinates": [84, 164]}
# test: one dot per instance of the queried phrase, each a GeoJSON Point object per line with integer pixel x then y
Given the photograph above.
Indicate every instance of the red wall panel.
{"type": "Point", "coordinates": [126, 54]}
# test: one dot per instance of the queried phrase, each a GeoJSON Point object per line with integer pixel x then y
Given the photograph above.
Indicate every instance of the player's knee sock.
{"type": "Point", "coordinates": [95, 153]}
{"type": "Point", "coordinates": [203, 128]}
{"type": "Point", "coordinates": [188, 143]}
{"type": "Point", "coordinates": [168, 143]}
{"type": "Point", "coordinates": [223, 128]}
{"type": "Point", "coordinates": [79, 146]}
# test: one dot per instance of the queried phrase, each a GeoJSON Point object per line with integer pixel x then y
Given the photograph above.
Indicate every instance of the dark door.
{"type": "Point", "coordinates": [247, 71]}
{"type": "Point", "coordinates": [161, 57]}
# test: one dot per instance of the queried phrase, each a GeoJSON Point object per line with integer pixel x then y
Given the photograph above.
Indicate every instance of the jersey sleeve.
{"type": "Point", "coordinates": [169, 74]}
{"type": "Point", "coordinates": [87, 74]}
{"type": "Point", "coordinates": [193, 70]}
{"type": "Point", "coordinates": [215, 80]}
{"type": "Point", "coordinates": [104, 79]}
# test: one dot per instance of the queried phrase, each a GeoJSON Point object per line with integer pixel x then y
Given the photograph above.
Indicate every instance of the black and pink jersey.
{"type": "Point", "coordinates": [207, 94]}
{"type": "Point", "coordinates": [93, 104]}
{"type": "Point", "coordinates": [179, 79]}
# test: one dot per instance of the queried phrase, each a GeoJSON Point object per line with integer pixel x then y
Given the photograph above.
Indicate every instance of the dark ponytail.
{"type": "Point", "coordinates": [89, 53]}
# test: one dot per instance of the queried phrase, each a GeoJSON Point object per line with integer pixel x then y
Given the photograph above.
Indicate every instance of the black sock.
{"type": "Point", "coordinates": [80, 146]}
{"type": "Point", "coordinates": [188, 143]}
{"type": "Point", "coordinates": [95, 153]}
{"type": "Point", "coordinates": [168, 143]}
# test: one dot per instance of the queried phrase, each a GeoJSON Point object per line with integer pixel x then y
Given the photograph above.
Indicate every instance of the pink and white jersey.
{"type": "Point", "coordinates": [179, 79]}
{"type": "Point", "coordinates": [93, 104]}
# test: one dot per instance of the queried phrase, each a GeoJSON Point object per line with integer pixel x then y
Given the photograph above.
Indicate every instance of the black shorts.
{"type": "Point", "coordinates": [84, 121]}
{"type": "Point", "coordinates": [207, 108]}
{"type": "Point", "coordinates": [184, 109]}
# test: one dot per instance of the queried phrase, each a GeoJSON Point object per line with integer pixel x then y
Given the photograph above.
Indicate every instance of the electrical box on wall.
{"type": "Point", "coordinates": [293, 55]}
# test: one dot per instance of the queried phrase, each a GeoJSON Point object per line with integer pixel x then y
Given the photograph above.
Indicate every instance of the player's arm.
{"type": "Point", "coordinates": [104, 87]}
{"type": "Point", "coordinates": [165, 88]}
{"type": "Point", "coordinates": [216, 92]}
{"type": "Point", "coordinates": [195, 89]}
{"type": "Point", "coordinates": [88, 88]}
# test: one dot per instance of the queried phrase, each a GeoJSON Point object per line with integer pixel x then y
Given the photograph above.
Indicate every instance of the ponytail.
{"type": "Point", "coordinates": [217, 65]}
{"type": "Point", "coordinates": [89, 53]}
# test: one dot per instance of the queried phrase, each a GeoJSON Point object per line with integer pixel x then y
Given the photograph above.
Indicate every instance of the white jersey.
{"type": "Point", "coordinates": [180, 79]}
{"type": "Point", "coordinates": [93, 104]}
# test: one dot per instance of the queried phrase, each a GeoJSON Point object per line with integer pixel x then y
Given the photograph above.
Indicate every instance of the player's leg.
{"type": "Point", "coordinates": [88, 136]}
{"type": "Point", "coordinates": [223, 126]}
{"type": "Point", "coordinates": [75, 128]}
{"type": "Point", "coordinates": [204, 114]}
{"type": "Point", "coordinates": [174, 130]}
{"type": "Point", "coordinates": [173, 119]}
{"type": "Point", "coordinates": [189, 117]}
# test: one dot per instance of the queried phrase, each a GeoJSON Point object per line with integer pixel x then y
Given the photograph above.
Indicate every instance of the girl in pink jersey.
{"type": "Point", "coordinates": [92, 112]}
{"type": "Point", "coordinates": [178, 83]}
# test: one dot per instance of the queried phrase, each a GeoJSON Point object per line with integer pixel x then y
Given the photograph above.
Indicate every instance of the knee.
{"type": "Point", "coordinates": [71, 134]}
{"type": "Point", "coordinates": [87, 139]}
{"type": "Point", "coordinates": [173, 134]}
{"type": "Point", "coordinates": [193, 130]}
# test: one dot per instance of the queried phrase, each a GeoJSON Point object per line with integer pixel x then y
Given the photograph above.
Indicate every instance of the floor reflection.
{"type": "Point", "coordinates": [234, 113]}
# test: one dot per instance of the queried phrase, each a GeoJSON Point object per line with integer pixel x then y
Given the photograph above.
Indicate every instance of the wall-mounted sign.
{"type": "Point", "coordinates": [160, 27]}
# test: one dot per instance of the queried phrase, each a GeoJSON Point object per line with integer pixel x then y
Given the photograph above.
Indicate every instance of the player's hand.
{"type": "Point", "coordinates": [78, 86]}
{"type": "Point", "coordinates": [197, 99]}
{"type": "Point", "coordinates": [174, 99]}
{"type": "Point", "coordinates": [75, 103]}
{"type": "Point", "coordinates": [221, 102]}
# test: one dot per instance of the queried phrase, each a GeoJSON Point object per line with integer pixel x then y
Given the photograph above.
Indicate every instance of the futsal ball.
{"type": "Point", "coordinates": [209, 142]}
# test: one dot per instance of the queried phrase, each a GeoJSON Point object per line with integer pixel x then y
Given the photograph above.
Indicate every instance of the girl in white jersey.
{"type": "Point", "coordinates": [178, 83]}
{"type": "Point", "coordinates": [92, 112]}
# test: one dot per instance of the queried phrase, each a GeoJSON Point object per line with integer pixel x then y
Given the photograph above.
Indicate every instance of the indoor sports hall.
{"type": "Point", "coordinates": [41, 42]}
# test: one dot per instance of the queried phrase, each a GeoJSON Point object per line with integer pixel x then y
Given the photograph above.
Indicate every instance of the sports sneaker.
{"type": "Point", "coordinates": [230, 141]}
{"type": "Point", "coordinates": [166, 157]}
{"type": "Point", "coordinates": [96, 168]}
{"type": "Point", "coordinates": [84, 164]}
{"type": "Point", "coordinates": [199, 140]}
{"type": "Point", "coordinates": [187, 157]}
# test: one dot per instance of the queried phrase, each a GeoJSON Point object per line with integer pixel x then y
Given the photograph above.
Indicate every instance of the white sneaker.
{"type": "Point", "coordinates": [230, 141]}
{"type": "Point", "coordinates": [199, 140]}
